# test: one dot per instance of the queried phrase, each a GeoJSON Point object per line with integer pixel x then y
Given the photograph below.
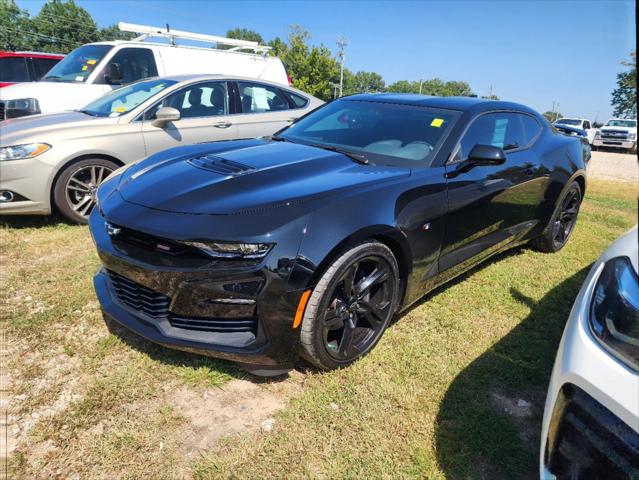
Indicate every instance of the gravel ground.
{"type": "Point", "coordinates": [614, 166]}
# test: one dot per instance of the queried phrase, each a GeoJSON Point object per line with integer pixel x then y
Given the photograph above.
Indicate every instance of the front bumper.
{"type": "Point", "coordinates": [29, 181]}
{"type": "Point", "coordinates": [241, 312]}
{"type": "Point", "coordinates": [586, 378]}
{"type": "Point", "coordinates": [626, 144]}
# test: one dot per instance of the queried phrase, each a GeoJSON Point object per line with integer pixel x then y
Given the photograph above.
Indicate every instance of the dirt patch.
{"type": "Point", "coordinates": [240, 406]}
{"type": "Point", "coordinates": [614, 166]}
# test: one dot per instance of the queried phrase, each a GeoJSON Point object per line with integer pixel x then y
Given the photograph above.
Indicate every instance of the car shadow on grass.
{"type": "Point", "coordinates": [489, 421]}
{"type": "Point", "coordinates": [179, 359]}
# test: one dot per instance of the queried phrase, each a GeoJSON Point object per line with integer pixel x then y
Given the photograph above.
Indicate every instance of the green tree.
{"type": "Point", "coordinates": [552, 116]}
{"type": "Point", "coordinates": [403, 86]}
{"type": "Point", "coordinates": [362, 82]}
{"type": "Point", "coordinates": [114, 33]}
{"type": "Point", "coordinates": [624, 97]}
{"type": "Point", "coordinates": [62, 26]}
{"type": "Point", "coordinates": [15, 28]}
{"type": "Point", "coordinates": [245, 34]}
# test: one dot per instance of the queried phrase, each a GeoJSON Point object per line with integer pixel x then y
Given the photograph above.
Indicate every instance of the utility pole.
{"type": "Point", "coordinates": [341, 43]}
{"type": "Point", "coordinates": [420, 85]}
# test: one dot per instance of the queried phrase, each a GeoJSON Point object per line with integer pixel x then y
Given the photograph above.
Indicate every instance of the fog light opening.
{"type": "Point", "coordinates": [6, 196]}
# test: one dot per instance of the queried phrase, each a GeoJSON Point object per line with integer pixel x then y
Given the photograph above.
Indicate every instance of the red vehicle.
{"type": "Point", "coordinates": [18, 67]}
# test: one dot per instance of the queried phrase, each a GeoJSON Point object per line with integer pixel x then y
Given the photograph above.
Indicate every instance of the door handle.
{"type": "Point", "coordinates": [222, 125]}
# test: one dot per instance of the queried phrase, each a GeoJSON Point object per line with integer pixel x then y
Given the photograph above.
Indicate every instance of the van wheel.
{"type": "Point", "coordinates": [74, 191]}
{"type": "Point", "coordinates": [351, 306]}
{"type": "Point", "coordinates": [562, 223]}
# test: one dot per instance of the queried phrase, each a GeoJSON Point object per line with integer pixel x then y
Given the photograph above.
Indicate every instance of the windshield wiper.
{"type": "Point", "coordinates": [358, 157]}
{"type": "Point", "coordinates": [52, 77]}
{"type": "Point", "coordinates": [277, 138]}
{"type": "Point", "coordinates": [88, 112]}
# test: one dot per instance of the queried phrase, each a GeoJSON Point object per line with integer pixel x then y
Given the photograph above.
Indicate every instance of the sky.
{"type": "Point", "coordinates": [532, 52]}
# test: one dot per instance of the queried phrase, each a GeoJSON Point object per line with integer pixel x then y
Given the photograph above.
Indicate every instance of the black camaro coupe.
{"type": "Point", "coordinates": [308, 242]}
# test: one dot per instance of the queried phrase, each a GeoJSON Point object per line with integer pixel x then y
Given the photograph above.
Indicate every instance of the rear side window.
{"type": "Point", "coordinates": [258, 98]}
{"type": "Point", "coordinates": [43, 65]}
{"type": "Point", "coordinates": [298, 100]}
{"type": "Point", "coordinates": [135, 64]}
{"type": "Point", "coordinates": [502, 129]}
{"type": "Point", "coordinates": [14, 69]}
{"type": "Point", "coordinates": [532, 128]}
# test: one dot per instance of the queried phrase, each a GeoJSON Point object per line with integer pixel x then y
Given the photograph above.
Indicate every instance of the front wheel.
{"type": "Point", "coordinates": [74, 191]}
{"type": "Point", "coordinates": [351, 306]}
{"type": "Point", "coordinates": [562, 223]}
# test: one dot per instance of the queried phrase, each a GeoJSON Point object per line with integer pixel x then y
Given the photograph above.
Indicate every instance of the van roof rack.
{"type": "Point", "coordinates": [145, 32]}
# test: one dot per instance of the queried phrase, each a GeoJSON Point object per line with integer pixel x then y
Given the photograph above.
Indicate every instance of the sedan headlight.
{"type": "Point", "coordinates": [21, 107]}
{"type": "Point", "coordinates": [232, 250]}
{"type": "Point", "coordinates": [614, 313]}
{"type": "Point", "coordinates": [20, 152]}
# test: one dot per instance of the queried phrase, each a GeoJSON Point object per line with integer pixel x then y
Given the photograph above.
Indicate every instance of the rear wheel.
{"type": "Point", "coordinates": [562, 223]}
{"type": "Point", "coordinates": [351, 306]}
{"type": "Point", "coordinates": [74, 191]}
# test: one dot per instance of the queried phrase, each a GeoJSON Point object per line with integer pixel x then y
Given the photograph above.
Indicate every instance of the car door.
{"type": "Point", "coordinates": [265, 109]}
{"type": "Point", "coordinates": [489, 207]}
{"type": "Point", "coordinates": [204, 117]}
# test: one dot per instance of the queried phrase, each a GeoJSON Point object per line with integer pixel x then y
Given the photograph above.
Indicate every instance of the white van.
{"type": "Point", "coordinates": [94, 69]}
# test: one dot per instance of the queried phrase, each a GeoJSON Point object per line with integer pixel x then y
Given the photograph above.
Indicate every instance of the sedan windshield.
{"type": "Point", "coordinates": [383, 133]}
{"type": "Point", "coordinates": [125, 99]}
{"type": "Point", "coordinates": [621, 123]}
{"type": "Point", "coordinates": [78, 65]}
{"type": "Point", "coordinates": [569, 121]}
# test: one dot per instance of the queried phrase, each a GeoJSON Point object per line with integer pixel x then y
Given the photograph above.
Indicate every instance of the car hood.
{"type": "Point", "coordinates": [40, 128]}
{"type": "Point", "coordinates": [245, 176]}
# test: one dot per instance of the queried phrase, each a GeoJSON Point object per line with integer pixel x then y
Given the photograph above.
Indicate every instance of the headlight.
{"type": "Point", "coordinates": [614, 313]}
{"type": "Point", "coordinates": [20, 152]}
{"type": "Point", "coordinates": [232, 250]}
{"type": "Point", "coordinates": [597, 134]}
{"type": "Point", "coordinates": [632, 136]}
{"type": "Point", "coordinates": [21, 107]}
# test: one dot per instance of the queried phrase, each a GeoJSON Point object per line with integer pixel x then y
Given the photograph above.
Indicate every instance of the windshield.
{"type": "Point", "coordinates": [383, 133]}
{"type": "Point", "coordinates": [125, 99]}
{"type": "Point", "coordinates": [621, 123]}
{"type": "Point", "coordinates": [78, 65]}
{"type": "Point", "coordinates": [569, 121]}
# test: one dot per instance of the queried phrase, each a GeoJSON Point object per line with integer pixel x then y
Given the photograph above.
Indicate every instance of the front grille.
{"type": "Point", "coordinates": [615, 135]}
{"type": "Point", "coordinates": [156, 305]}
{"type": "Point", "coordinates": [248, 324]}
{"type": "Point", "coordinates": [140, 298]}
{"type": "Point", "coordinates": [1, 110]}
{"type": "Point", "coordinates": [587, 441]}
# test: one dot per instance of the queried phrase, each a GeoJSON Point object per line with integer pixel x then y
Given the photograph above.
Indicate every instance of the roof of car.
{"type": "Point", "coordinates": [451, 103]}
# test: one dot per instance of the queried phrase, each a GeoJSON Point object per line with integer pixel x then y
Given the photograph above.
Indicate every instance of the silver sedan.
{"type": "Point", "coordinates": [57, 161]}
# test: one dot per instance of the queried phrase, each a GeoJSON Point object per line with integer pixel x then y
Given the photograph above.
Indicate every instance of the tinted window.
{"type": "Point", "coordinates": [78, 65]}
{"type": "Point", "coordinates": [502, 130]}
{"type": "Point", "coordinates": [531, 128]}
{"type": "Point", "coordinates": [13, 69]}
{"type": "Point", "coordinates": [586, 125]}
{"type": "Point", "coordinates": [257, 98]}
{"type": "Point", "coordinates": [200, 100]}
{"type": "Point", "coordinates": [135, 64]}
{"type": "Point", "coordinates": [43, 65]}
{"type": "Point", "coordinates": [125, 99]}
{"type": "Point", "coordinates": [384, 133]}
{"type": "Point", "coordinates": [298, 100]}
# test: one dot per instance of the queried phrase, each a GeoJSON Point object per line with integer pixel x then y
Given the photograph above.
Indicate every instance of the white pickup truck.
{"type": "Point", "coordinates": [581, 123]}
{"type": "Point", "coordinates": [618, 133]}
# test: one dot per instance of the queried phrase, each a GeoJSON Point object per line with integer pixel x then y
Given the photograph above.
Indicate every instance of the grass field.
{"type": "Point", "coordinates": [438, 397]}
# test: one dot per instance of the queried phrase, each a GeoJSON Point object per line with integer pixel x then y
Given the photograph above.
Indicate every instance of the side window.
{"type": "Point", "coordinates": [298, 100]}
{"type": "Point", "coordinates": [257, 98]}
{"type": "Point", "coordinates": [586, 125]}
{"type": "Point", "coordinates": [14, 69]}
{"type": "Point", "coordinates": [135, 64]}
{"type": "Point", "coordinates": [531, 128]}
{"type": "Point", "coordinates": [502, 130]}
{"type": "Point", "coordinates": [200, 100]}
{"type": "Point", "coordinates": [43, 65]}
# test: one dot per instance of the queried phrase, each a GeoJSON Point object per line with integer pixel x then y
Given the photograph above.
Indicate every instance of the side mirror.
{"type": "Point", "coordinates": [486, 155]}
{"type": "Point", "coordinates": [112, 74]}
{"type": "Point", "coordinates": [165, 115]}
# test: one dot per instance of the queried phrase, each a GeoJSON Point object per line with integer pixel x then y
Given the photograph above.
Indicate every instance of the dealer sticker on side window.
{"type": "Point", "coordinates": [437, 122]}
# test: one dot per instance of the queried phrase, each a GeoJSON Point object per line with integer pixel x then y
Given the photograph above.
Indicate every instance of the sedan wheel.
{"type": "Point", "coordinates": [351, 306]}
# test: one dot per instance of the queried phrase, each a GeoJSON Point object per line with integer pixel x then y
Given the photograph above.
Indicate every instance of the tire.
{"type": "Point", "coordinates": [340, 323]}
{"type": "Point", "coordinates": [74, 190]}
{"type": "Point", "coordinates": [562, 222]}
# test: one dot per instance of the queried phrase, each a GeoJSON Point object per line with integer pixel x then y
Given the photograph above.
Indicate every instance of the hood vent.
{"type": "Point", "coordinates": [220, 165]}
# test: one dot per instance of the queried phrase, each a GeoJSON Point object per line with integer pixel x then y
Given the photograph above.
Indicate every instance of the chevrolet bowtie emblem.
{"type": "Point", "coordinates": [112, 230]}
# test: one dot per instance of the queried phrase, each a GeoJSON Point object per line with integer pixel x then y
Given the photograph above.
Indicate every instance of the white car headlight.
{"type": "Point", "coordinates": [20, 152]}
{"type": "Point", "coordinates": [232, 250]}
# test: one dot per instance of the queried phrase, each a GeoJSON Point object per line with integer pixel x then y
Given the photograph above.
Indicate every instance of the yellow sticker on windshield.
{"type": "Point", "coordinates": [437, 122]}
{"type": "Point", "coordinates": [90, 62]}
{"type": "Point", "coordinates": [120, 109]}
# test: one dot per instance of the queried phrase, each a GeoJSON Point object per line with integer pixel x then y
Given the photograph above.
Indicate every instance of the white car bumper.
{"type": "Point", "coordinates": [587, 378]}
{"type": "Point", "coordinates": [627, 144]}
{"type": "Point", "coordinates": [28, 183]}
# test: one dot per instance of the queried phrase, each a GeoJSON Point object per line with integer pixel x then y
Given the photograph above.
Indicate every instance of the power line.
{"type": "Point", "coordinates": [52, 39]}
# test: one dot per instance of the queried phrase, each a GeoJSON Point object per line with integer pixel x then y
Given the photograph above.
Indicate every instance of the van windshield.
{"type": "Point", "coordinates": [78, 65]}
{"type": "Point", "coordinates": [123, 100]}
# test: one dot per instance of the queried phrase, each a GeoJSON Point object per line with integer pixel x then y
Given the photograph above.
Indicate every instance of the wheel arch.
{"type": "Point", "coordinates": [70, 162]}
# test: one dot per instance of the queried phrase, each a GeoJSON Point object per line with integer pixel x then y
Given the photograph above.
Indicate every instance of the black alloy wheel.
{"type": "Point", "coordinates": [351, 306]}
{"type": "Point", "coordinates": [563, 221]}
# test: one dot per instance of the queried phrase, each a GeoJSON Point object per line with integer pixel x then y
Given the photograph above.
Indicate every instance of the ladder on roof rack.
{"type": "Point", "coordinates": [145, 32]}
